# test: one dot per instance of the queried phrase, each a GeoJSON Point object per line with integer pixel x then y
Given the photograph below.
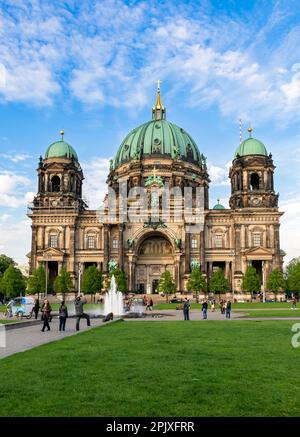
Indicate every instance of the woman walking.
{"type": "Point", "coordinates": [36, 308]}
{"type": "Point", "coordinates": [46, 311]}
{"type": "Point", "coordinates": [63, 314]}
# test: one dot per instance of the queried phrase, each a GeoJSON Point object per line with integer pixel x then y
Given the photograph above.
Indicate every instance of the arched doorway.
{"type": "Point", "coordinates": [154, 256]}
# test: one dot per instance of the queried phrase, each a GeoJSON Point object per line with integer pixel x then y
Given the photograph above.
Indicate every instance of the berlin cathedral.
{"type": "Point", "coordinates": [65, 232]}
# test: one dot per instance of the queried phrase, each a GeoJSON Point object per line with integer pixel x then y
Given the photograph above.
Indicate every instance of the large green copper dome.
{"type": "Point", "coordinates": [158, 137]}
{"type": "Point", "coordinates": [251, 146]}
{"type": "Point", "coordinates": [61, 149]}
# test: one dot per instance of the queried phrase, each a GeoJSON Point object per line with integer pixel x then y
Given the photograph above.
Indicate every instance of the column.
{"type": "Point", "coordinates": [177, 274]}
{"type": "Point", "coordinates": [72, 249]}
{"type": "Point", "coordinates": [237, 247]}
{"type": "Point", "coordinates": [106, 249]}
{"type": "Point", "coordinates": [277, 245]}
{"type": "Point", "coordinates": [33, 248]}
{"type": "Point", "coordinates": [121, 248]}
{"type": "Point", "coordinates": [227, 272]}
{"type": "Point", "coordinates": [187, 252]}
{"type": "Point", "coordinates": [210, 270]}
{"type": "Point", "coordinates": [202, 251]}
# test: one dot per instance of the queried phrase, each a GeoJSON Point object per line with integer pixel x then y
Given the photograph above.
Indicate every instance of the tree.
{"type": "Point", "coordinates": [293, 277]}
{"type": "Point", "coordinates": [197, 282]}
{"type": "Point", "coordinates": [63, 282]}
{"type": "Point", "coordinates": [251, 282]}
{"type": "Point", "coordinates": [92, 280]}
{"type": "Point", "coordinates": [37, 281]}
{"type": "Point", "coordinates": [276, 281]}
{"type": "Point", "coordinates": [166, 284]}
{"type": "Point", "coordinates": [120, 278]}
{"type": "Point", "coordinates": [218, 283]}
{"type": "Point", "coordinates": [12, 282]}
{"type": "Point", "coordinates": [5, 262]}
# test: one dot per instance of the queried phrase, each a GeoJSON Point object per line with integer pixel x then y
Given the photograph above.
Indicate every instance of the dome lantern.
{"type": "Point", "coordinates": [158, 110]}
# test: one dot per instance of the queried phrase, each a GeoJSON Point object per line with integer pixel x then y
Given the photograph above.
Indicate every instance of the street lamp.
{"type": "Point", "coordinates": [47, 257]}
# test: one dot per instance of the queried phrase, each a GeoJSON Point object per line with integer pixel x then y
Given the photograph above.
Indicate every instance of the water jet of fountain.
{"type": "Point", "coordinates": [113, 300]}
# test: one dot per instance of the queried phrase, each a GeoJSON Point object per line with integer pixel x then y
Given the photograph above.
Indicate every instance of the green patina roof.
{"type": "Point", "coordinates": [158, 137]}
{"type": "Point", "coordinates": [251, 146]}
{"type": "Point", "coordinates": [219, 206]}
{"type": "Point", "coordinates": [61, 149]}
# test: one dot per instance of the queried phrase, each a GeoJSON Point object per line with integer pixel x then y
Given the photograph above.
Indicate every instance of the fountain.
{"type": "Point", "coordinates": [113, 300]}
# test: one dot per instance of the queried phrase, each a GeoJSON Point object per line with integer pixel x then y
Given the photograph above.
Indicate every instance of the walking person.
{"type": "Point", "coordinates": [186, 309]}
{"type": "Point", "coordinates": [36, 308]}
{"type": "Point", "coordinates": [150, 304]}
{"type": "Point", "coordinates": [63, 315]}
{"type": "Point", "coordinates": [46, 311]}
{"type": "Point", "coordinates": [294, 303]}
{"type": "Point", "coordinates": [228, 309]}
{"type": "Point", "coordinates": [223, 307]}
{"type": "Point", "coordinates": [213, 305]}
{"type": "Point", "coordinates": [79, 312]}
{"type": "Point", "coordinates": [204, 309]}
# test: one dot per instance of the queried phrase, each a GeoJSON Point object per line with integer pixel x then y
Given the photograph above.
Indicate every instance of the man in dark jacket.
{"type": "Point", "coordinates": [79, 312]}
{"type": "Point", "coordinates": [228, 309]}
{"type": "Point", "coordinates": [186, 309]}
{"type": "Point", "coordinates": [63, 314]}
{"type": "Point", "coordinates": [204, 309]}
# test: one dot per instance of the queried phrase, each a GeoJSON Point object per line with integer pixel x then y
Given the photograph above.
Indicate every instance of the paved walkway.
{"type": "Point", "coordinates": [28, 337]}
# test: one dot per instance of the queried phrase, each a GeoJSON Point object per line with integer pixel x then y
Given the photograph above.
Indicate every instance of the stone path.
{"type": "Point", "coordinates": [28, 337]}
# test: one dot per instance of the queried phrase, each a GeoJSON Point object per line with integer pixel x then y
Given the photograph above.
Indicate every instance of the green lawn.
{"type": "Point", "coordinates": [252, 305]}
{"type": "Point", "coordinates": [224, 368]}
{"type": "Point", "coordinates": [271, 313]}
{"type": "Point", "coordinates": [5, 321]}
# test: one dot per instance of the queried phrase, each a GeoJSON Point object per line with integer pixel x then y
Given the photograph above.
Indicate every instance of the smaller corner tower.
{"type": "Point", "coordinates": [59, 178]}
{"type": "Point", "coordinates": [251, 174]}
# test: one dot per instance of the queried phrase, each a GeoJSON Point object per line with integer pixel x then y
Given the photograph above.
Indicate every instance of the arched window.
{"type": "Point", "coordinates": [254, 181]}
{"type": "Point", "coordinates": [55, 184]}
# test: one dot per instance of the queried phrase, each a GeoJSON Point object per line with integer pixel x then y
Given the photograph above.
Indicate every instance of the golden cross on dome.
{"type": "Point", "coordinates": [158, 85]}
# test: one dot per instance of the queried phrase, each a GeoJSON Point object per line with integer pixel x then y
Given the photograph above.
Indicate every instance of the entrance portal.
{"type": "Point", "coordinates": [155, 255]}
{"type": "Point", "coordinates": [155, 285]}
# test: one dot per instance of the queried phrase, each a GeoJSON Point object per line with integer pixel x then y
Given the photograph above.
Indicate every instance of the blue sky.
{"type": "Point", "coordinates": [91, 68]}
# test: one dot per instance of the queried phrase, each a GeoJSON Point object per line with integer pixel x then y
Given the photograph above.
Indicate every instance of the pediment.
{"type": "Point", "coordinates": [259, 253]}
{"type": "Point", "coordinates": [51, 254]}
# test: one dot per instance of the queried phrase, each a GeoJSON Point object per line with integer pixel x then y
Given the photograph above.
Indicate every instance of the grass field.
{"type": "Point", "coordinates": [6, 321]}
{"type": "Point", "coordinates": [252, 305]}
{"type": "Point", "coordinates": [158, 369]}
{"type": "Point", "coordinates": [270, 313]}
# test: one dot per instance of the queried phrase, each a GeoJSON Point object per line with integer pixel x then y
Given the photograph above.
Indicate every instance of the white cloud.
{"type": "Point", "coordinates": [18, 157]}
{"type": "Point", "coordinates": [94, 187]}
{"type": "Point", "coordinates": [219, 175]}
{"type": "Point", "coordinates": [13, 189]}
{"type": "Point", "coordinates": [289, 229]}
{"type": "Point", "coordinates": [96, 57]}
{"type": "Point", "coordinates": [15, 239]}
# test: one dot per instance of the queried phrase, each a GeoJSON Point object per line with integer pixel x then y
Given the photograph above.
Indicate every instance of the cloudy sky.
{"type": "Point", "coordinates": [91, 68]}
